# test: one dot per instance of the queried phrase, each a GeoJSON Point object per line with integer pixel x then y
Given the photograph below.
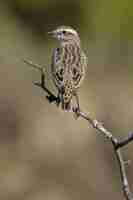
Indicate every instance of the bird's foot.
{"type": "Point", "coordinates": [51, 98]}
{"type": "Point", "coordinates": [76, 111]}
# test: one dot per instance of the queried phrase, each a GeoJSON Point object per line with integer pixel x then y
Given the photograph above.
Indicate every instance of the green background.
{"type": "Point", "coordinates": [44, 152]}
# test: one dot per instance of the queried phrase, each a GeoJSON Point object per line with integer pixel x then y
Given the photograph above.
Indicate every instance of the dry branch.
{"type": "Point", "coordinates": [117, 144]}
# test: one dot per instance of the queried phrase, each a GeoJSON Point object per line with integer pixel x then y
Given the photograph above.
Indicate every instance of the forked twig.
{"type": "Point", "coordinates": [50, 96]}
{"type": "Point", "coordinates": [117, 144]}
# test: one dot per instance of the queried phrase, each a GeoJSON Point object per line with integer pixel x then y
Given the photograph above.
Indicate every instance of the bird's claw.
{"type": "Point", "coordinates": [76, 111]}
{"type": "Point", "coordinates": [52, 98]}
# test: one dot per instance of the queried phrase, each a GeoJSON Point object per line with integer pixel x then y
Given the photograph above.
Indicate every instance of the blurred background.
{"type": "Point", "coordinates": [44, 152]}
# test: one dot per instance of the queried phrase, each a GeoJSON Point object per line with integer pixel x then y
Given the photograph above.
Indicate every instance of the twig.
{"type": "Point", "coordinates": [125, 141]}
{"type": "Point", "coordinates": [35, 66]}
{"type": "Point", "coordinates": [50, 97]}
{"type": "Point", "coordinates": [117, 145]}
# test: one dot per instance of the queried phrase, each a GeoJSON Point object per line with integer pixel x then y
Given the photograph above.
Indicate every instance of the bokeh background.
{"type": "Point", "coordinates": [44, 152]}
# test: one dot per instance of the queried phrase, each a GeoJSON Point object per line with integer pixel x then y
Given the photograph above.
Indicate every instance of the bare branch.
{"type": "Point", "coordinates": [35, 66]}
{"type": "Point", "coordinates": [125, 140]}
{"type": "Point", "coordinates": [98, 126]}
{"type": "Point", "coordinates": [50, 96]}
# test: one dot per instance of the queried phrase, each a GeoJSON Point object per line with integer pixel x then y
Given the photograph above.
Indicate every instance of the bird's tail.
{"type": "Point", "coordinates": [66, 99]}
{"type": "Point", "coordinates": [67, 106]}
{"type": "Point", "coordinates": [66, 95]}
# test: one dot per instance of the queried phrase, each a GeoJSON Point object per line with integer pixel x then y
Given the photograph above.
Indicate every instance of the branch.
{"type": "Point", "coordinates": [50, 96]}
{"type": "Point", "coordinates": [125, 141]}
{"type": "Point", "coordinates": [117, 144]}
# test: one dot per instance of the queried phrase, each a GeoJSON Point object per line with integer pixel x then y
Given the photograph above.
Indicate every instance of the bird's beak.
{"type": "Point", "coordinates": [52, 33]}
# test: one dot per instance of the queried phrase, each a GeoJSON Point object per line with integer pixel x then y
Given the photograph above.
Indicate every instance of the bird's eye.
{"type": "Point", "coordinates": [63, 32]}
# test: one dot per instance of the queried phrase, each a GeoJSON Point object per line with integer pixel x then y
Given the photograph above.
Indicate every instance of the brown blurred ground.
{"type": "Point", "coordinates": [44, 152]}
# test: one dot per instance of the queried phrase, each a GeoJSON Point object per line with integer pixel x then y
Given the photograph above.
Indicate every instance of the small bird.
{"type": "Point", "coordinates": [68, 65]}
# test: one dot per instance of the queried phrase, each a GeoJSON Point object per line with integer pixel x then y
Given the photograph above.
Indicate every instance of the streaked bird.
{"type": "Point", "coordinates": [68, 66]}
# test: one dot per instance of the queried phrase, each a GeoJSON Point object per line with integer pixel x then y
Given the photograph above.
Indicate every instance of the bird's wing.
{"type": "Point", "coordinates": [56, 67]}
{"type": "Point", "coordinates": [78, 70]}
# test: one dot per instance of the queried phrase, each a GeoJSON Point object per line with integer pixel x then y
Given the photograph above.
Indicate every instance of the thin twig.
{"type": "Point", "coordinates": [117, 145]}
{"type": "Point", "coordinates": [50, 96]}
{"type": "Point", "coordinates": [97, 125]}
{"type": "Point", "coordinates": [34, 65]}
{"type": "Point", "coordinates": [125, 140]}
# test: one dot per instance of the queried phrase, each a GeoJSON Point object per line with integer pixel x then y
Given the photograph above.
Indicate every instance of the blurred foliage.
{"type": "Point", "coordinates": [44, 152]}
{"type": "Point", "coordinates": [44, 14]}
{"type": "Point", "coordinates": [98, 16]}
{"type": "Point", "coordinates": [114, 17]}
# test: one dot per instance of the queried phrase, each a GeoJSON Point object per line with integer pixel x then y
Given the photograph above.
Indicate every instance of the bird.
{"type": "Point", "coordinates": [68, 65]}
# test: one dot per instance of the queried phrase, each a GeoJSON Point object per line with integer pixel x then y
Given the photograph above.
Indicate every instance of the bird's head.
{"type": "Point", "coordinates": [65, 34]}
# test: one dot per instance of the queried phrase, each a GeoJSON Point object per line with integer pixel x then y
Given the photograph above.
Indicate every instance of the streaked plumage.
{"type": "Point", "coordinates": [68, 64]}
